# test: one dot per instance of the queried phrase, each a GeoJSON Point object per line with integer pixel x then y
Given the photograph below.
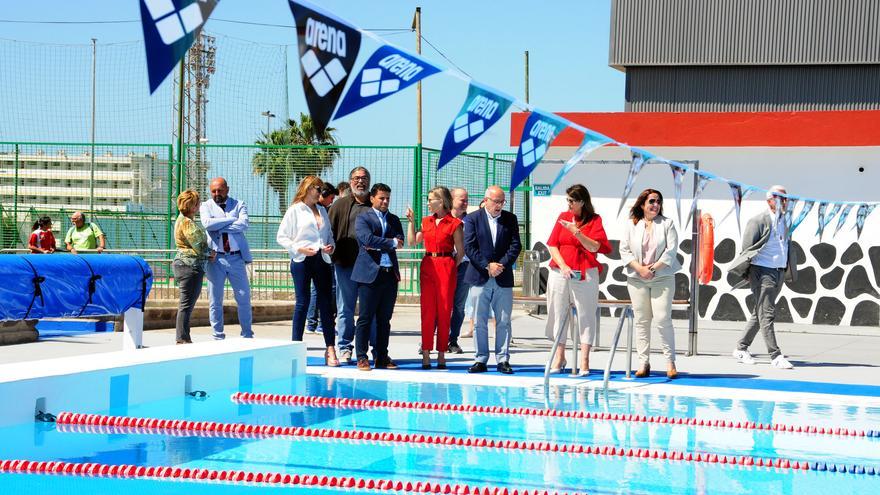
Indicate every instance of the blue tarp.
{"type": "Point", "coordinates": [66, 285]}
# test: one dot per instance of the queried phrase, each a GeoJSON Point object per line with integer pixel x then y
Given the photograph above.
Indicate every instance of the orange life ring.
{"type": "Point", "coordinates": [707, 248]}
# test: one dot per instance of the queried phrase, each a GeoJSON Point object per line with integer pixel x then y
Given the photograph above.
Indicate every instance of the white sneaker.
{"type": "Point", "coordinates": [744, 357]}
{"type": "Point", "coordinates": [781, 363]}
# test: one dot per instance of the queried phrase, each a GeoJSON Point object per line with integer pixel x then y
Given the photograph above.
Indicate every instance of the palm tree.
{"type": "Point", "coordinates": [293, 152]}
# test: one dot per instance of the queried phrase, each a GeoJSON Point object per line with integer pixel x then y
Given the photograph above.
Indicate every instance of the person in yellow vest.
{"type": "Point", "coordinates": [83, 235]}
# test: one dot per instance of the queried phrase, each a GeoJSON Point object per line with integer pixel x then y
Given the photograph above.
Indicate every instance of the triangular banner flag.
{"type": "Point", "coordinates": [824, 219]}
{"type": "Point", "coordinates": [170, 27]}
{"type": "Point", "coordinates": [789, 212]}
{"type": "Point", "coordinates": [842, 219]}
{"type": "Point", "coordinates": [861, 215]}
{"type": "Point", "coordinates": [387, 72]}
{"type": "Point", "coordinates": [739, 195]}
{"type": "Point", "coordinates": [481, 110]}
{"type": "Point", "coordinates": [539, 131]}
{"type": "Point", "coordinates": [591, 142]}
{"type": "Point", "coordinates": [677, 177]}
{"type": "Point", "coordinates": [808, 205]}
{"type": "Point", "coordinates": [328, 48]}
{"type": "Point", "coordinates": [639, 158]}
{"type": "Point", "coordinates": [701, 184]}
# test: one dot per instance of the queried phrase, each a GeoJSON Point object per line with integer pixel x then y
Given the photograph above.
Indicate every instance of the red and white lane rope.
{"type": "Point", "coordinates": [264, 478]}
{"type": "Point", "coordinates": [122, 424]}
{"type": "Point", "coordinates": [343, 403]}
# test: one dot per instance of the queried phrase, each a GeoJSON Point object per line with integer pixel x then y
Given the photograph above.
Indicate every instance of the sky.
{"type": "Point", "coordinates": [567, 43]}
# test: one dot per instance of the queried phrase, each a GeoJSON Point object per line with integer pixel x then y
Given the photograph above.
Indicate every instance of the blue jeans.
{"type": "Point", "coordinates": [313, 323]}
{"type": "Point", "coordinates": [346, 299]}
{"type": "Point", "coordinates": [314, 272]}
{"type": "Point", "coordinates": [458, 303]}
{"type": "Point", "coordinates": [490, 298]}
{"type": "Point", "coordinates": [233, 268]}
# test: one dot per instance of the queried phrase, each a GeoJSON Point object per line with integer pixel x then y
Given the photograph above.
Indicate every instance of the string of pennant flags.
{"type": "Point", "coordinates": [328, 47]}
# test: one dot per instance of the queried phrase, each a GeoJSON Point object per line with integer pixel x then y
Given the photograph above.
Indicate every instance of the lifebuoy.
{"type": "Point", "coordinates": [707, 248]}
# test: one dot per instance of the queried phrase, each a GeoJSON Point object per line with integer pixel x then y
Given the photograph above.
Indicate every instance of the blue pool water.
{"type": "Point", "coordinates": [473, 466]}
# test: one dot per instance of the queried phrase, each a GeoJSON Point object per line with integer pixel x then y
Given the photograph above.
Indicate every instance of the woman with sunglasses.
{"type": "Point", "coordinates": [649, 253]}
{"type": "Point", "coordinates": [305, 234]}
{"type": "Point", "coordinates": [577, 238]}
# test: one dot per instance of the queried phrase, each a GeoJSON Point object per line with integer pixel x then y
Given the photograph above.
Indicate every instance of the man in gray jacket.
{"type": "Point", "coordinates": [766, 259]}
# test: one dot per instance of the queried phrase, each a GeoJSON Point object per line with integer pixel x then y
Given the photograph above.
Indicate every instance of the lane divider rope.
{"type": "Point", "coordinates": [265, 478]}
{"type": "Point", "coordinates": [81, 423]}
{"type": "Point", "coordinates": [343, 403]}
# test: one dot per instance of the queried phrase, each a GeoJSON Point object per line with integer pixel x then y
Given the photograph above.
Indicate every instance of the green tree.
{"type": "Point", "coordinates": [303, 152]}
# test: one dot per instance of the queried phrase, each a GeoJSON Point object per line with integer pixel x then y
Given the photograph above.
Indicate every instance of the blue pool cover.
{"type": "Point", "coordinates": [66, 285]}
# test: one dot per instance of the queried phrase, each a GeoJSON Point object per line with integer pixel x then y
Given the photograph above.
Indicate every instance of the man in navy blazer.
{"type": "Point", "coordinates": [379, 235]}
{"type": "Point", "coordinates": [491, 242]}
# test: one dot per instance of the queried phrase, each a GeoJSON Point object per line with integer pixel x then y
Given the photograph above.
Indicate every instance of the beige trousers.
{"type": "Point", "coordinates": [559, 299]}
{"type": "Point", "coordinates": [652, 301]}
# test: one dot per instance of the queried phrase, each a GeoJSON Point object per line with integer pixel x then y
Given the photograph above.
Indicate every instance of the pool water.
{"type": "Point", "coordinates": [520, 469]}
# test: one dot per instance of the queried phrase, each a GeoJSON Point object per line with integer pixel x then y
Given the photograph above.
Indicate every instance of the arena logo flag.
{"type": "Point", "coordinates": [170, 27]}
{"type": "Point", "coordinates": [591, 142]}
{"type": "Point", "coordinates": [481, 110]}
{"type": "Point", "coordinates": [842, 219]}
{"type": "Point", "coordinates": [639, 158]}
{"type": "Point", "coordinates": [861, 215]}
{"type": "Point", "coordinates": [387, 72]}
{"type": "Point", "coordinates": [328, 48]}
{"type": "Point", "coordinates": [824, 219]}
{"type": "Point", "coordinates": [789, 213]}
{"type": "Point", "coordinates": [805, 209]}
{"type": "Point", "coordinates": [538, 133]}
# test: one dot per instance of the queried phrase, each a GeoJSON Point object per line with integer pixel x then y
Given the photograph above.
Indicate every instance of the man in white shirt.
{"type": "Point", "coordinates": [766, 261]}
{"type": "Point", "coordinates": [226, 220]}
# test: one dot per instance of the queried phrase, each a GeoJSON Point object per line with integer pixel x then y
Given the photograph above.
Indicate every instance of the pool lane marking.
{"type": "Point", "coordinates": [98, 423]}
{"type": "Point", "coordinates": [129, 471]}
{"type": "Point", "coordinates": [313, 401]}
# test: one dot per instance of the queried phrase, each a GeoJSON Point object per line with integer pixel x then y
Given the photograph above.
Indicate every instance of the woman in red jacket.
{"type": "Point", "coordinates": [576, 239]}
{"type": "Point", "coordinates": [444, 248]}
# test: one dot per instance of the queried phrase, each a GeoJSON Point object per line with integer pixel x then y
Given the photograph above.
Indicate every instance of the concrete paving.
{"type": "Point", "coordinates": [821, 354]}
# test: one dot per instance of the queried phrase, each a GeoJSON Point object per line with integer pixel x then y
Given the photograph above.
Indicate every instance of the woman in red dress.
{"type": "Point", "coordinates": [444, 248]}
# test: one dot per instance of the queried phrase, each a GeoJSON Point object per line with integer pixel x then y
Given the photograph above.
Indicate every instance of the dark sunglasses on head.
{"type": "Point", "coordinates": [653, 201]}
{"type": "Point", "coordinates": [572, 200]}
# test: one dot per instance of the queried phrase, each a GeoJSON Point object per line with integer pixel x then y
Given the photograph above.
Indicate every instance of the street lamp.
{"type": "Point", "coordinates": [268, 114]}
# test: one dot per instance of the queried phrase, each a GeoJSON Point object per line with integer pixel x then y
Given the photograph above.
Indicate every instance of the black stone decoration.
{"type": "Point", "coordinates": [806, 281]}
{"type": "Point", "coordinates": [824, 253]}
{"type": "Point", "coordinates": [832, 279]}
{"type": "Point", "coordinates": [543, 273]}
{"type": "Point", "coordinates": [685, 246]}
{"type": "Point", "coordinates": [707, 292]}
{"type": "Point", "coordinates": [866, 313]}
{"type": "Point", "coordinates": [615, 250]}
{"type": "Point", "coordinates": [732, 280]}
{"type": "Point", "coordinates": [725, 251]}
{"type": "Point", "coordinates": [618, 274]}
{"type": "Point", "coordinates": [857, 283]}
{"type": "Point", "coordinates": [716, 273]}
{"type": "Point", "coordinates": [543, 252]}
{"type": "Point", "coordinates": [682, 286]}
{"type": "Point", "coordinates": [852, 254]}
{"type": "Point", "coordinates": [783, 313]}
{"type": "Point", "coordinates": [874, 254]}
{"type": "Point", "coordinates": [802, 305]}
{"type": "Point", "coordinates": [680, 259]}
{"type": "Point", "coordinates": [829, 311]}
{"type": "Point", "coordinates": [603, 273]}
{"type": "Point", "coordinates": [603, 311]}
{"type": "Point", "coordinates": [728, 309]}
{"type": "Point", "coordinates": [799, 254]}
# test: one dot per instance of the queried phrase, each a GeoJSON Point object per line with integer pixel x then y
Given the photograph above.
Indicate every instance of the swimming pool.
{"type": "Point", "coordinates": [513, 449]}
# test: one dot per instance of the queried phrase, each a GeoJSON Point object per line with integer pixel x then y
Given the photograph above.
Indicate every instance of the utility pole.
{"type": "Point", "coordinates": [528, 182]}
{"type": "Point", "coordinates": [417, 173]}
{"type": "Point", "coordinates": [527, 77]}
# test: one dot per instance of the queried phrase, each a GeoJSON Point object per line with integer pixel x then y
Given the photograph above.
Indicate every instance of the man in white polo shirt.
{"type": "Point", "coordinates": [767, 259]}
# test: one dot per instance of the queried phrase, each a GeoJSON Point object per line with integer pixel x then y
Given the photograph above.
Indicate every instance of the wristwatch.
{"type": "Point", "coordinates": [651, 269]}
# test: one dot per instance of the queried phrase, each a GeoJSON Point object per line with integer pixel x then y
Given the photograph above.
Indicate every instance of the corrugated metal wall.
{"type": "Point", "coordinates": [744, 32]}
{"type": "Point", "coordinates": [761, 88]}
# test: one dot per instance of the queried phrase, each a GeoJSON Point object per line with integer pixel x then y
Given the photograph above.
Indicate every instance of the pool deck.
{"type": "Point", "coordinates": [830, 360]}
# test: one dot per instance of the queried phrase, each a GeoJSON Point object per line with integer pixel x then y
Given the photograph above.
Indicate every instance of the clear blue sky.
{"type": "Point", "coordinates": [567, 41]}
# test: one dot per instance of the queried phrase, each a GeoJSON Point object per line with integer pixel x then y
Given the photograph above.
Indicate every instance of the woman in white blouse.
{"type": "Point", "coordinates": [648, 251]}
{"type": "Point", "coordinates": [305, 233]}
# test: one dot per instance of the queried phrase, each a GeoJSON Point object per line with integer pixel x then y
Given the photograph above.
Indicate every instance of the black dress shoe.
{"type": "Point", "coordinates": [505, 368]}
{"type": "Point", "coordinates": [478, 368]}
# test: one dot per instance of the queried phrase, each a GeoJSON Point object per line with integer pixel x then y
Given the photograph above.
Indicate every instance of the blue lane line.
{"type": "Point", "coordinates": [741, 381]}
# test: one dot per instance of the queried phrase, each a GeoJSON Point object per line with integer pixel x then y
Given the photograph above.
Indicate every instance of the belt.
{"type": "Point", "coordinates": [439, 255]}
{"type": "Point", "coordinates": [386, 269]}
{"type": "Point", "coordinates": [230, 253]}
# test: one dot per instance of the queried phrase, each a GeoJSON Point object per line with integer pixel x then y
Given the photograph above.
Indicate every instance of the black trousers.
{"type": "Point", "coordinates": [375, 302]}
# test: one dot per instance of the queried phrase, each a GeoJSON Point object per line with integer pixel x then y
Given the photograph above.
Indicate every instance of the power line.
{"type": "Point", "coordinates": [445, 57]}
{"type": "Point", "coordinates": [127, 21]}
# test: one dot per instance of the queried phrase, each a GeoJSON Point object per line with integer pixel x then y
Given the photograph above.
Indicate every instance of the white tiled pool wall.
{"type": "Point", "coordinates": [89, 384]}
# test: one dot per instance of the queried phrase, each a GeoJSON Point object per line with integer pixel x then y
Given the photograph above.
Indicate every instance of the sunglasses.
{"type": "Point", "coordinates": [570, 200]}
{"type": "Point", "coordinates": [655, 201]}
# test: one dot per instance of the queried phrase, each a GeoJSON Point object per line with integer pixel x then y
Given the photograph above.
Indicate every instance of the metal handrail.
{"type": "Point", "coordinates": [625, 315]}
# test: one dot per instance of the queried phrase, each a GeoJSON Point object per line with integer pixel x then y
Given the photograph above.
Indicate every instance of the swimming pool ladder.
{"type": "Point", "coordinates": [626, 316]}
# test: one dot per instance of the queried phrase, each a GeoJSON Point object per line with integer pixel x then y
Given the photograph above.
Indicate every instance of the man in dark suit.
{"type": "Point", "coordinates": [491, 242]}
{"type": "Point", "coordinates": [379, 236]}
